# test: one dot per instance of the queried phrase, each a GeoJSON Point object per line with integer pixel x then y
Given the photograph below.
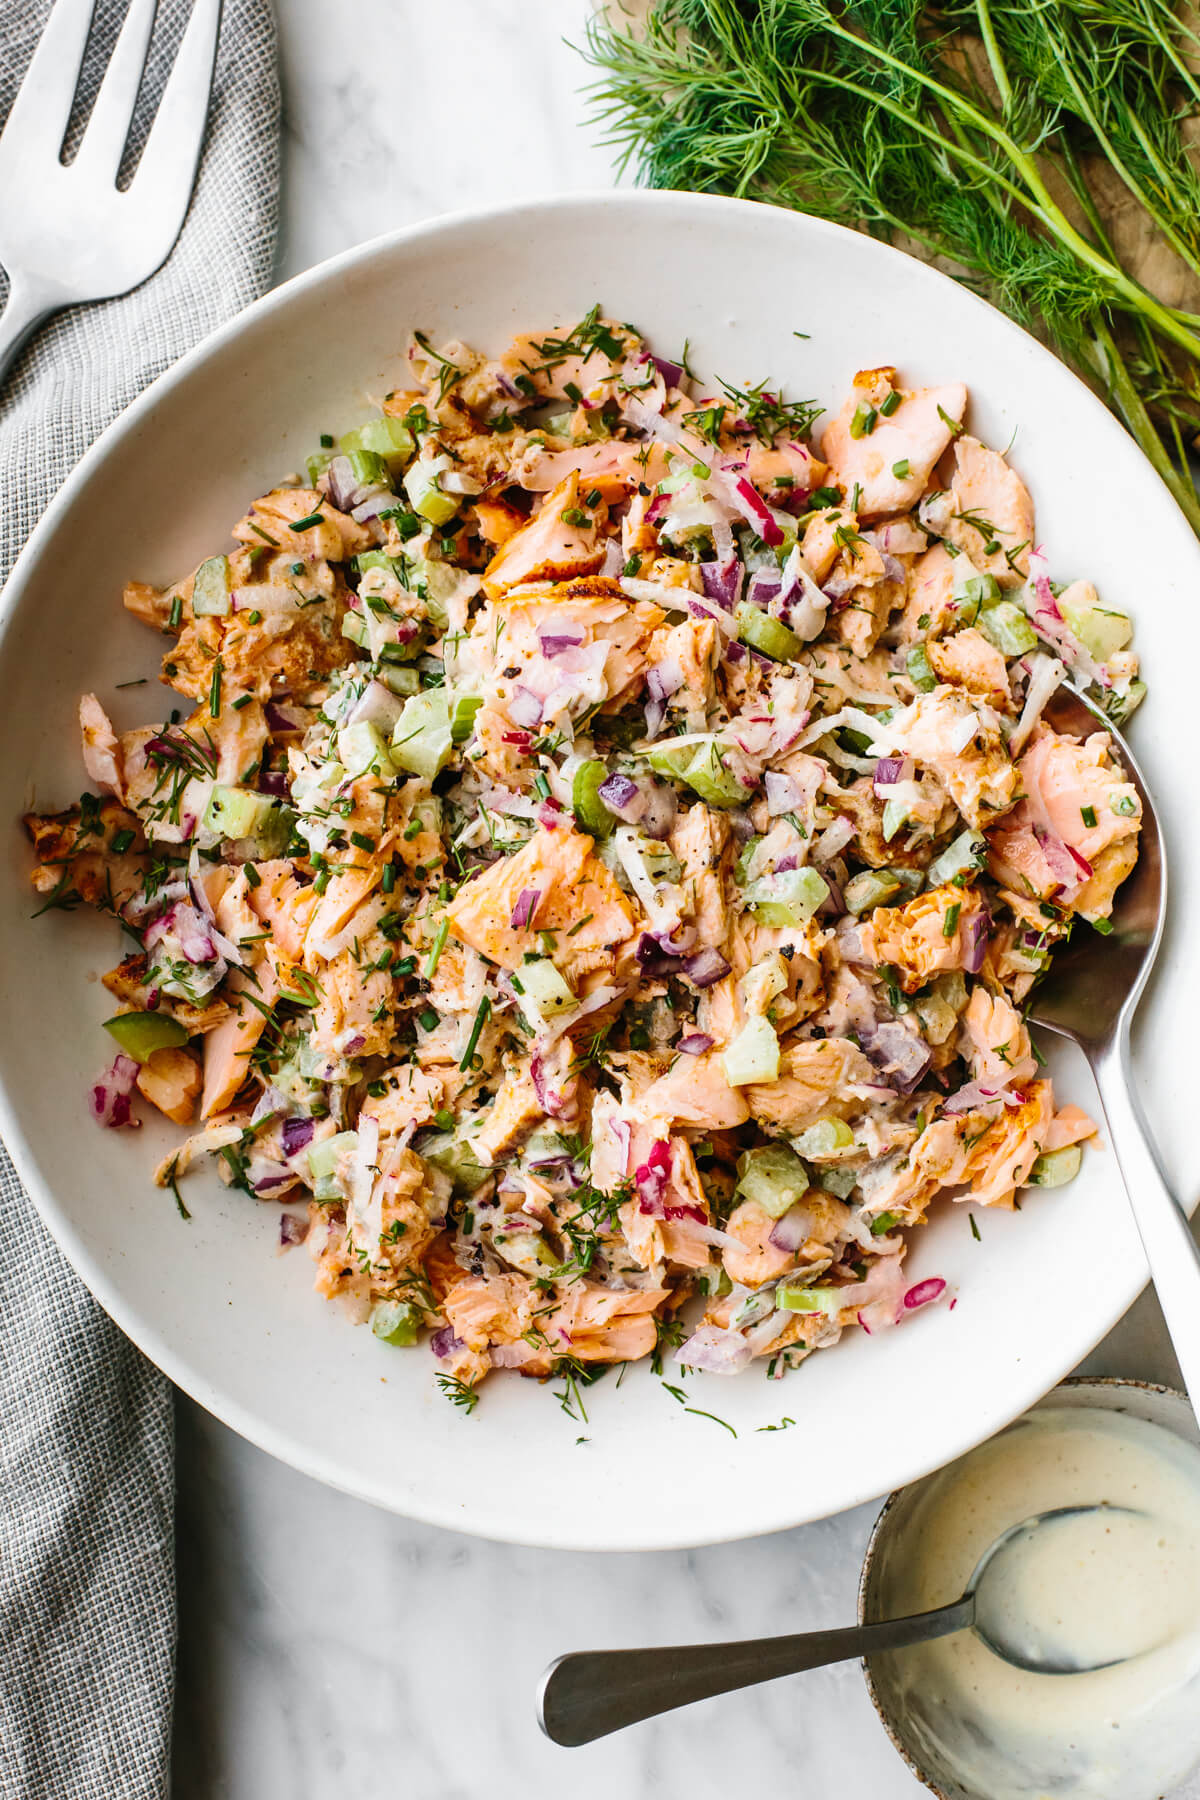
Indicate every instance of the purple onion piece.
{"type": "Point", "coordinates": [296, 1133]}
{"type": "Point", "coordinates": [556, 643]}
{"type": "Point", "coordinates": [292, 1230]}
{"type": "Point", "coordinates": [444, 1342]}
{"type": "Point", "coordinates": [523, 911]}
{"type": "Point", "coordinates": [705, 967]}
{"type": "Point", "coordinates": [654, 961]}
{"type": "Point", "coordinates": [722, 581]}
{"type": "Point", "coordinates": [694, 1044]}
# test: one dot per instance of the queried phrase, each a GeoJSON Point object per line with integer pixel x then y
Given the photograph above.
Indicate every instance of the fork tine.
{"type": "Point", "coordinates": [167, 169]}
{"type": "Point", "coordinates": [37, 122]}
{"type": "Point", "coordinates": [112, 114]}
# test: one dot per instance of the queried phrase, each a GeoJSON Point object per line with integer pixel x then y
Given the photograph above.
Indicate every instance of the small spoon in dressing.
{"type": "Point", "coordinates": [587, 1694]}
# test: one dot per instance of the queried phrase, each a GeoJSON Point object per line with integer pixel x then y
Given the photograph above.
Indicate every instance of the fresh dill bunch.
{"type": "Point", "coordinates": [882, 115]}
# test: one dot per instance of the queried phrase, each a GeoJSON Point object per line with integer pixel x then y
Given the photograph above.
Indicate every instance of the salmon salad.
{"type": "Point", "coordinates": [603, 840]}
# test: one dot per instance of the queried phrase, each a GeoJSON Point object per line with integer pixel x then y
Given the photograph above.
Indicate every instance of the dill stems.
{"type": "Point", "coordinates": [971, 132]}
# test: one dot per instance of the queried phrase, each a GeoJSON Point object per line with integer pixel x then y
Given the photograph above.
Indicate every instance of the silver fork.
{"type": "Point", "coordinates": [67, 232]}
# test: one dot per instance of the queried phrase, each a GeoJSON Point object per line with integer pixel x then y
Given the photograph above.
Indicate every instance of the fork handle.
{"type": "Point", "coordinates": [1171, 1250]}
{"type": "Point", "coordinates": [29, 302]}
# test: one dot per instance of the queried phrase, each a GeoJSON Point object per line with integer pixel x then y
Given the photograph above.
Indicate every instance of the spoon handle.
{"type": "Point", "coordinates": [593, 1692]}
{"type": "Point", "coordinates": [1167, 1239]}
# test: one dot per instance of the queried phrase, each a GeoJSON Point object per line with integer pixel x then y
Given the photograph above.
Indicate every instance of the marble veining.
{"type": "Point", "coordinates": [331, 1650]}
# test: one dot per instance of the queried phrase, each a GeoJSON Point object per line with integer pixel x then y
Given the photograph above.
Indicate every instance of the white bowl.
{"type": "Point", "coordinates": [209, 1301]}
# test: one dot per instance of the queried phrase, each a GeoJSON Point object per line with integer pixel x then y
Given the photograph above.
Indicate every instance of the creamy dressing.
{"type": "Point", "coordinates": [1082, 1589]}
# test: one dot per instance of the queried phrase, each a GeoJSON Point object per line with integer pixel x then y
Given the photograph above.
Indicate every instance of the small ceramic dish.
{"type": "Point", "coordinates": [890, 1544]}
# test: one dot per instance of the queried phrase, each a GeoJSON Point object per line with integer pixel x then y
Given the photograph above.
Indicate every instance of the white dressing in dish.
{"type": "Point", "coordinates": [1087, 1588]}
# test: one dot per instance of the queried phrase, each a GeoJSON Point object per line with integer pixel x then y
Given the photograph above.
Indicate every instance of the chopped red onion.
{"type": "Point", "coordinates": [273, 782]}
{"type": "Point", "coordinates": [722, 581]}
{"type": "Point", "coordinates": [656, 712]}
{"type": "Point", "coordinates": [292, 1230]}
{"type": "Point", "coordinates": [283, 718]}
{"type": "Point", "coordinates": [523, 911]}
{"type": "Point", "coordinates": [694, 1044]}
{"type": "Point", "coordinates": [654, 961]}
{"type": "Point", "coordinates": [755, 509]}
{"type": "Point", "coordinates": [901, 1055]}
{"type": "Point", "coordinates": [783, 793]}
{"type": "Point", "coordinates": [556, 643]}
{"type": "Point", "coordinates": [623, 797]}
{"type": "Point", "coordinates": [888, 771]}
{"type": "Point", "coordinates": [444, 1342]}
{"type": "Point", "coordinates": [108, 1099]}
{"type": "Point", "coordinates": [931, 1289]}
{"type": "Point", "coordinates": [715, 1351]}
{"type": "Point", "coordinates": [354, 1044]}
{"type": "Point", "coordinates": [765, 585]}
{"type": "Point", "coordinates": [974, 1096]}
{"type": "Point", "coordinates": [377, 705]}
{"type": "Point", "coordinates": [793, 1229]}
{"type": "Point", "coordinates": [525, 708]}
{"type": "Point", "coordinates": [705, 967]}
{"type": "Point", "coordinates": [664, 678]}
{"type": "Point", "coordinates": [296, 1135]}
{"type": "Point", "coordinates": [672, 373]}
{"type": "Point", "coordinates": [975, 941]}
{"type": "Point", "coordinates": [653, 1175]}
{"type": "Point", "coordinates": [662, 805]}
{"type": "Point", "coordinates": [614, 561]}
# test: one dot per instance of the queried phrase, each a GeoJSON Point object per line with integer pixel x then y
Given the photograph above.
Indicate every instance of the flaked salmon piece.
{"type": "Point", "coordinates": [925, 936]}
{"type": "Point", "coordinates": [289, 649]}
{"type": "Point", "coordinates": [348, 888]}
{"type": "Point", "coordinates": [861, 618]}
{"type": "Point", "coordinates": [555, 371]}
{"type": "Point", "coordinates": [498, 521]}
{"type": "Point", "coordinates": [995, 1042]}
{"type": "Point", "coordinates": [700, 840]}
{"type": "Point", "coordinates": [281, 903]}
{"type": "Point", "coordinates": [561, 540]}
{"type": "Point", "coordinates": [272, 521]}
{"type": "Point", "coordinates": [170, 1080]}
{"type": "Point", "coordinates": [410, 1098]}
{"type": "Point", "coordinates": [149, 604]}
{"type": "Point", "coordinates": [354, 1013]}
{"type": "Point", "coordinates": [396, 1225]}
{"type": "Point", "coordinates": [599, 1324]}
{"type": "Point", "coordinates": [931, 607]}
{"type": "Point", "coordinates": [817, 1077]}
{"type": "Point", "coordinates": [75, 855]}
{"type": "Point", "coordinates": [960, 741]}
{"type": "Point", "coordinates": [101, 750]}
{"type": "Point", "coordinates": [538, 470]}
{"type": "Point", "coordinates": [576, 895]}
{"type": "Point", "coordinates": [992, 513]}
{"type": "Point", "coordinates": [912, 438]}
{"type": "Point", "coordinates": [691, 649]}
{"type": "Point", "coordinates": [824, 538]}
{"type": "Point", "coordinates": [967, 660]}
{"type": "Point", "coordinates": [227, 1050]}
{"type": "Point", "coordinates": [511, 1117]}
{"type": "Point", "coordinates": [1002, 1159]}
{"type": "Point", "coordinates": [1077, 797]}
{"type": "Point", "coordinates": [781, 470]}
{"type": "Point", "coordinates": [759, 1259]}
{"type": "Point", "coordinates": [128, 983]}
{"type": "Point", "coordinates": [459, 981]}
{"type": "Point", "coordinates": [694, 1091]}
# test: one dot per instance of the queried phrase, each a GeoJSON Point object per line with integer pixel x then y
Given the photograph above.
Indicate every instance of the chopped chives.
{"type": "Point", "coordinates": [214, 691]}
{"type": "Point", "coordinates": [242, 700]}
{"type": "Point", "coordinates": [361, 841]}
{"type": "Point", "coordinates": [594, 498]}
{"type": "Point", "coordinates": [309, 519]}
{"type": "Point", "coordinates": [632, 566]}
{"type": "Point", "coordinates": [253, 878]}
{"type": "Point", "coordinates": [889, 403]}
{"type": "Point", "coordinates": [255, 617]}
{"type": "Point", "coordinates": [481, 1019]}
{"type": "Point", "coordinates": [542, 786]}
{"type": "Point", "coordinates": [298, 568]}
{"type": "Point", "coordinates": [435, 954]}
{"type": "Point", "coordinates": [175, 614]}
{"type": "Point", "coordinates": [1088, 814]}
{"type": "Point", "coordinates": [428, 1020]}
{"type": "Point", "coordinates": [121, 841]}
{"type": "Point", "coordinates": [389, 877]}
{"type": "Point", "coordinates": [950, 921]}
{"type": "Point", "coordinates": [326, 441]}
{"type": "Point", "coordinates": [321, 882]}
{"type": "Point", "coordinates": [902, 469]}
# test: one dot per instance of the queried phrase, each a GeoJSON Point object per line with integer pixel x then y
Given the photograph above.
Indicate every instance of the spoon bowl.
{"type": "Point", "coordinates": [587, 1694]}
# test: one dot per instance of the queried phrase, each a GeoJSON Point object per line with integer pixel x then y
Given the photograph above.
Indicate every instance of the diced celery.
{"type": "Point", "coordinates": [590, 809]}
{"type": "Point", "coordinates": [770, 636]}
{"type": "Point", "coordinates": [356, 628]}
{"type": "Point", "coordinates": [316, 465]}
{"type": "Point", "coordinates": [774, 1177]}
{"type": "Point", "coordinates": [376, 559]}
{"type": "Point", "coordinates": [362, 746]}
{"type": "Point", "coordinates": [463, 708]}
{"type": "Point", "coordinates": [422, 487]}
{"type": "Point", "coordinates": [400, 678]}
{"type": "Point", "coordinates": [385, 436]}
{"type": "Point", "coordinates": [1101, 632]}
{"type": "Point", "coordinates": [965, 852]}
{"type": "Point", "coordinates": [971, 590]}
{"type": "Point", "coordinates": [826, 1138]}
{"type": "Point", "coordinates": [1054, 1168]}
{"type": "Point", "coordinates": [211, 589]}
{"type": "Point", "coordinates": [369, 469]}
{"type": "Point", "coordinates": [323, 1159]}
{"type": "Point", "coordinates": [422, 741]}
{"type": "Point", "coordinates": [745, 861]}
{"type": "Point", "coordinates": [787, 898]}
{"type": "Point", "coordinates": [545, 987]}
{"type": "Point", "coordinates": [455, 1157]}
{"type": "Point", "coordinates": [396, 1321]}
{"type": "Point", "coordinates": [1119, 707]}
{"type": "Point", "coordinates": [700, 767]}
{"type": "Point", "coordinates": [837, 1181]}
{"type": "Point", "coordinates": [870, 888]}
{"type": "Point", "coordinates": [920, 669]}
{"type": "Point", "coordinates": [713, 1281]}
{"type": "Point", "coordinates": [140, 1034]}
{"type": "Point", "coordinates": [895, 817]}
{"type": "Point", "coordinates": [753, 1055]}
{"type": "Point", "coordinates": [1005, 625]}
{"type": "Point", "coordinates": [236, 812]}
{"type": "Point", "coordinates": [793, 1296]}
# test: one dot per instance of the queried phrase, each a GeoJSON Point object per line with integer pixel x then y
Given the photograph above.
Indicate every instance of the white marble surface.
{"type": "Point", "coordinates": [328, 1649]}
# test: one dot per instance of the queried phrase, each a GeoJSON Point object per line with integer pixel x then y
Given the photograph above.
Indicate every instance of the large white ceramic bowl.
{"type": "Point", "coordinates": [210, 1302]}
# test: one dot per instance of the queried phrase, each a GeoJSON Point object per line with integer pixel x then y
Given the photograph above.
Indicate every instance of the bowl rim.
{"type": "Point", "coordinates": [172, 1360]}
{"type": "Point", "coordinates": [1108, 1384]}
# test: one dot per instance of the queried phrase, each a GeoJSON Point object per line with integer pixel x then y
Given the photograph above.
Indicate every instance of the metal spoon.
{"type": "Point", "coordinates": [1090, 995]}
{"type": "Point", "coordinates": [586, 1695]}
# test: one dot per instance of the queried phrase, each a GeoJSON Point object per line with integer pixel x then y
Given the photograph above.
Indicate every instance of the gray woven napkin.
{"type": "Point", "coordinates": [87, 1585]}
